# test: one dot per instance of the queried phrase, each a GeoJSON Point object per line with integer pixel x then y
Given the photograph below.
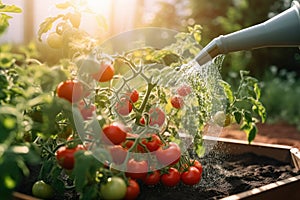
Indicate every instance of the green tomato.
{"type": "Point", "coordinates": [42, 190]}
{"type": "Point", "coordinates": [115, 188]}
{"type": "Point", "coordinates": [55, 40]}
{"type": "Point", "coordinates": [222, 119]}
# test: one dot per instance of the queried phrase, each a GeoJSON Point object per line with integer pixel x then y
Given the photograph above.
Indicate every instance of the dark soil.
{"type": "Point", "coordinates": [224, 176]}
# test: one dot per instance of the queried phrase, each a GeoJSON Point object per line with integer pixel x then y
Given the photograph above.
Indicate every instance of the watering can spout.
{"type": "Point", "coordinates": [283, 30]}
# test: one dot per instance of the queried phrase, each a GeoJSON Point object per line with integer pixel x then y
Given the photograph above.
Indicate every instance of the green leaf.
{"type": "Point", "coordinates": [46, 25]}
{"type": "Point", "coordinates": [10, 8]}
{"type": "Point", "coordinates": [248, 116]}
{"type": "Point", "coordinates": [84, 161]}
{"type": "Point", "coordinates": [64, 5]}
{"type": "Point", "coordinates": [238, 116]}
{"type": "Point", "coordinates": [4, 22]}
{"type": "Point", "coordinates": [227, 90]}
{"type": "Point", "coordinates": [252, 133]}
{"type": "Point", "coordinates": [197, 36]}
{"type": "Point", "coordinates": [257, 91]}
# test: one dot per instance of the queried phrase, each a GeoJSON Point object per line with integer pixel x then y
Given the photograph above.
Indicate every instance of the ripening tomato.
{"type": "Point", "coordinates": [139, 148]}
{"type": "Point", "coordinates": [55, 40]}
{"type": "Point", "coordinates": [86, 110]}
{"type": "Point", "coordinates": [153, 143]}
{"type": "Point", "coordinates": [114, 133]}
{"type": "Point", "coordinates": [177, 102]}
{"type": "Point", "coordinates": [42, 190]}
{"type": "Point", "coordinates": [118, 154]}
{"type": "Point", "coordinates": [65, 156]}
{"type": "Point", "coordinates": [222, 119]}
{"type": "Point", "coordinates": [70, 90]}
{"type": "Point", "coordinates": [157, 116]}
{"type": "Point", "coordinates": [137, 169]}
{"type": "Point", "coordinates": [168, 155]}
{"type": "Point", "coordinates": [133, 190]}
{"type": "Point", "coordinates": [198, 165]}
{"type": "Point", "coordinates": [124, 106]}
{"type": "Point", "coordinates": [115, 188]}
{"type": "Point", "coordinates": [134, 96]}
{"type": "Point", "coordinates": [106, 72]}
{"type": "Point", "coordinates": [172, 178]}
{"type": "Point", "coordinates": [184, 90]}
{"type": "Point", "coordinates": [191, 177]}
{"type": "Point", "coordinates": [152, 178]}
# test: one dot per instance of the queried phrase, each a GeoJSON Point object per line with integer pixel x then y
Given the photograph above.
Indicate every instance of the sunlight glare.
{"type": "Point", "coordinates": [100, 6]}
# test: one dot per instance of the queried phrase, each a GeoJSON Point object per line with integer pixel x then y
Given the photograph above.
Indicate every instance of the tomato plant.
{"type": "Point", "coordinates": [106, 99]}
{"type": "Point", "coordinates": [171, 178]}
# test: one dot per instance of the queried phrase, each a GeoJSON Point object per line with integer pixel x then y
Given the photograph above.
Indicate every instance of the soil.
{"type": "Point", "coordinates": [279, 133]}
{"type": "Point", "coordinates": [223, 176]}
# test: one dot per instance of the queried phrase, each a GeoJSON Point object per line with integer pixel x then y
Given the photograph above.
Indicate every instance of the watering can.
{"type": "Point", "coordinates": [282, 30]}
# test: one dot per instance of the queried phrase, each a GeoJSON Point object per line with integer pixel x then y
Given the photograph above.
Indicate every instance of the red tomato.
{"type": "Point", "coordinates": [198, 165]}
{"type": "Point", "coordinates": [65, 156]}
{"type": "Point", "coordinates": [191, 177]}
{"type": "Point", "coordinates": [70, 90]}
{"type": "Point", "coordinates": [124, 106]}
{"type": "Point", "coordinates": [169, 155]}
{"type": "Point", "coordinates": [172, 178]}
{"type": "Point", "coordinates": [184, 90]}
{"type": "Point", "coordinates": [128, 144]}
{"type": "Point", "coordinates": [133, 190]}
{"type": "Point", "coordinates": [115, 133]}
{"type": "Point", "coordinates": [177, 102]}
{"type": "Point", "coordinates": [153, 143]}
{"type": "Point", "coordinates": [157, 117]}
{"type": "Point", "coordinates": [134, 96]}
{"type": "Point", "coordinates": [118, 154]}
{"type": "Point", "coordinates": [105, 73]}
{"type": "Point", "coordinates": [152, 178]}
{"type": "Point", "coordinates": [86, 110]}
{"type": "Point", "coordinates": [137, 169]}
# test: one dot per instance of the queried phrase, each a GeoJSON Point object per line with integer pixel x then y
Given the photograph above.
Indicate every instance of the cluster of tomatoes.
{"type": "Point", "coordinates": [64, 30]}
{"type": "Point", "coordinates": [167, 164]}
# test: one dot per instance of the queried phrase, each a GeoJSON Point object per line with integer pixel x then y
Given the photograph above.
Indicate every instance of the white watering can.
{"type": "Point", "coordinates": [283, 30]}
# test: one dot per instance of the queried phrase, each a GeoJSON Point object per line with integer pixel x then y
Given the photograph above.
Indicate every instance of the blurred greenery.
{"type": "Point", "coordinates": [281, 94]}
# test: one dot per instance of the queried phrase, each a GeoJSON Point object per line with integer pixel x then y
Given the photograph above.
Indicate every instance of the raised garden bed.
{"type": "Point", "coordinates": [235, 170]}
